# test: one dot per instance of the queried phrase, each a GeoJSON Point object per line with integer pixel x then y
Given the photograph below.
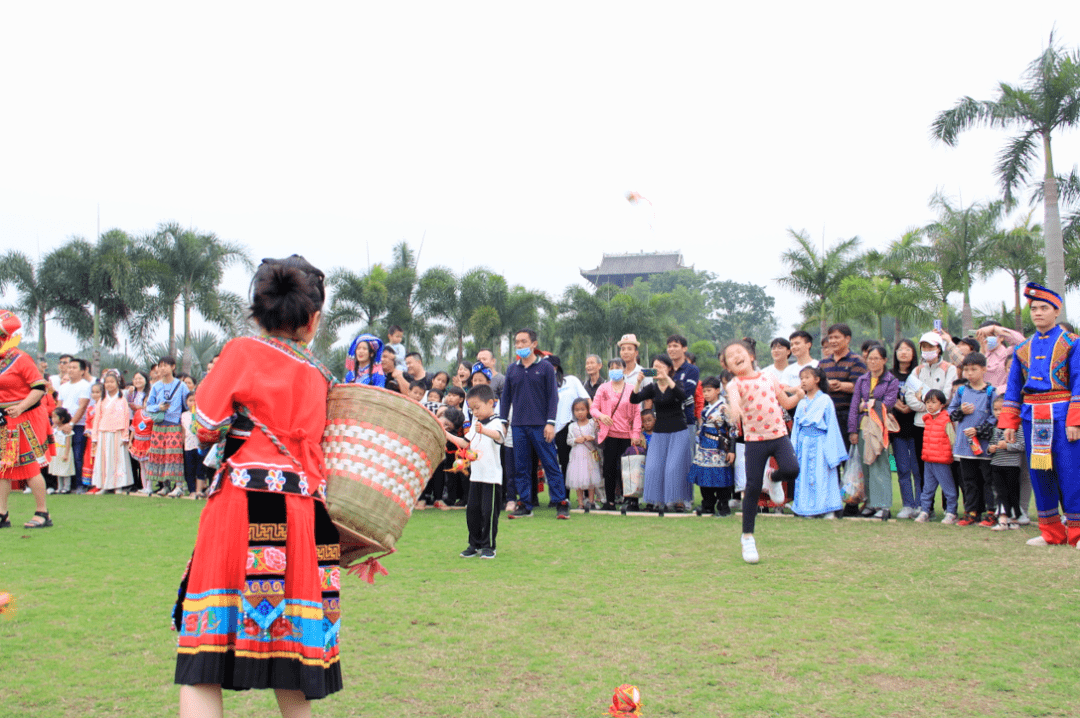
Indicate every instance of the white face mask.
{"type": "Point", "coordinates": [991, 343]}
{"type": "Point", "coordinates": [930, 356]}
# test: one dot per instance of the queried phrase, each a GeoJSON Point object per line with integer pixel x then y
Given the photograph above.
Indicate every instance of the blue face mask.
{"type": "Point", "coordinates": [523, 352]}
{"type": "Point", "coordinates": [991, 343]}
{"type": "Point", "coordinates": [616, 374]}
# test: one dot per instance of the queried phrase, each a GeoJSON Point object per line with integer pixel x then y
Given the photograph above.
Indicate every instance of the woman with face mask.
{"type": "Point", "coordinates": [619, 423]}
{"type": "Point", "coordinates": [932, 373]}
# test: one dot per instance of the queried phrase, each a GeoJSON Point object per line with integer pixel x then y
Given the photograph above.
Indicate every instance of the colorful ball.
{"type": "Point", "coordinates": [626, 701]}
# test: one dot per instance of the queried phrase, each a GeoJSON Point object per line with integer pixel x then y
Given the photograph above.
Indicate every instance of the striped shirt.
{"type": "Point", "coordinates": [847, 369]}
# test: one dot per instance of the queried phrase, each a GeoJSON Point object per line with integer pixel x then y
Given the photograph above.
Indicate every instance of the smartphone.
{"type": "Point", "coordinates": [937, 325]}
{"type": "Point", "coordinates": [648, 372]}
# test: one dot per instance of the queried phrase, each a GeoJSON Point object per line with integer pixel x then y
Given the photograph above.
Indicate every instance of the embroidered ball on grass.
{"type": "Point", "coordinates": [626, 701]}
{"type": "Point", "coordinates": [7, 605]}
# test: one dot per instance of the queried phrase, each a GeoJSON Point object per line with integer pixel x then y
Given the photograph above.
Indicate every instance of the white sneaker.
{"type": "Point", "coordinates": [1037, 541]}
{"type": "Point", "coordinates": [949, 519]}
{"type": "Point", "coordinates": [1023, 520]}
{"type": "Point", "coordinates": [906, 513]}
{"type": "Point", "coordinates": [749, 549]}
{"type": "Point", "coordinates": [922, 518]}
{"type": "Point", "coordinates": [50, 492]}
{"type": "Point", "coordinates": [26, 490]}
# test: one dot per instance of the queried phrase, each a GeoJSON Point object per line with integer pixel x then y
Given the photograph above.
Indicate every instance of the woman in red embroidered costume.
{"type": "Point", "coordinates": [258, 606]}
{"type": "Point", "coordinates": [25, 438]}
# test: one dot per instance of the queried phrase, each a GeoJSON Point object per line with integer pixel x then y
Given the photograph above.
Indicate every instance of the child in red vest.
{"type": "Point", "coordinates": [937, 457]}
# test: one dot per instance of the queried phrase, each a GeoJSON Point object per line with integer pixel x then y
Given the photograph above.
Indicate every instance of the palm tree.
{"type": "Point", "coordinates": [1019, 253]}
{"type": "Point", "coordinates": [1048, 99]}
{"type": "Point", "coordinates": [403, 308]}
{"type": "Point", "coordinates": [356, 297]}
{"type": "Point", "coordinates": [106, 276]}
{"type": "Point", "coordinates": [37, 301]}
{"type": "Point", "coordinates": [458, 299]}
{"type": "Point", "coordinates": [187, 268]}
{"type": "Point", "coordinates": [960, 241]}
{"type": "Point", "coordinates": [819, 275]}
{"type": "Point", "coordinates": [871, 298]}
{"type": "Point", "coordinates": [905, 263]}
{"type": "Point", "coordinates": [522, 309]}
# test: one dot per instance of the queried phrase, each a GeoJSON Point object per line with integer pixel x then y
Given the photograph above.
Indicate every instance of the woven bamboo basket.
{"type": "Point", "coordinates": [380, 449]}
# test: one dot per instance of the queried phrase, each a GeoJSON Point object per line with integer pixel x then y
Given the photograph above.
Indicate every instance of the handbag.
{"type": "Point", "coordinates": [633, 472]}
{"type": "Point", "coordinates": [159, 416]}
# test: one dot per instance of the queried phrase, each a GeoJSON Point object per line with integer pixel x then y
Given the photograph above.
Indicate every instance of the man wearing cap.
{"type": "Point", "coordinates": [628, 352]}
{"type": "Point", "coordinates": [1043, 396]}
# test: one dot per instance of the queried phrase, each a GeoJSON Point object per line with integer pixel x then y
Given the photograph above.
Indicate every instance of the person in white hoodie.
{"type": "Point", "coordinates": [933, 372]}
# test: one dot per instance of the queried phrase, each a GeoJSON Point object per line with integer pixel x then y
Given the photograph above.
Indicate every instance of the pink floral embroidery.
{"type": "Point", "coordinates": [274, 558]}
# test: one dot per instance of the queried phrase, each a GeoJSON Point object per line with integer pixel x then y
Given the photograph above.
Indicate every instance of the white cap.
{"type": "Point", "coordinates": [932, 338]}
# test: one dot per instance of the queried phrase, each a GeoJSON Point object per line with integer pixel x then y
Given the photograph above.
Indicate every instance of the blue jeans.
{"type": "Point", "coordinates": [529, 441]}
{"type": "Point", "coordinates": [907, 469]}
{"type": "Point", "coordinates": [938, 475]}
{"type": "Point", "coordinates": [78, 450]}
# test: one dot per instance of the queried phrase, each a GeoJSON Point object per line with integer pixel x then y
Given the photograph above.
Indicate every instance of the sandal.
{"type": "Point", "coordinates": [4, 523]}
{"type": "Point", "coordinates": [45, 523]}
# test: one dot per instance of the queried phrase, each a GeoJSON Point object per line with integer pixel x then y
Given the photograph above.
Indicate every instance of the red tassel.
{"type": "Point", "coordinates": [370, 568]}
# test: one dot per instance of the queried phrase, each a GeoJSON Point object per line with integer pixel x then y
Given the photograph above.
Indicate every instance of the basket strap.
{"type": "Point", "coordinates": [270, 435]}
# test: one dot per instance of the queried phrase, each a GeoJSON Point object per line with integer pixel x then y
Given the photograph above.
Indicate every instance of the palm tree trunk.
{"type": "Point", "coordinates": [172, 328]}
{"type": "Point", "coordinates": [966, 318]}
{"type": "Point", "coordinates": [898, 332]}
{"type": "Point", "coordinates": [824, 324]}
{"type": "Point", "coordinates": [1055, 251]}
{"type": "Point", "coordinates": [1016, 298]}
{"type": "Point", "coordinates": [41, 333]}
{"type": "Point", "coordinates": [95, 357]}
{"type": "Point", "coordinates": [187, 333]}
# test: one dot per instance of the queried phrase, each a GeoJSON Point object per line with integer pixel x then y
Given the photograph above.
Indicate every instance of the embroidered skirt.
{"type": "Point", "coordinates": [30, 451]}
{"type": "Point", "coordinates": [166, 459]}
{"type": "Point", "coordinates": [258, 606]}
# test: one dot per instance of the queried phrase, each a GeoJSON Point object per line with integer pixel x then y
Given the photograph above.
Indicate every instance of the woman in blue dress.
{"type": "Point", "coordinates": [819, 447]}
{"type": "Point", "coordinates": [364, 363]}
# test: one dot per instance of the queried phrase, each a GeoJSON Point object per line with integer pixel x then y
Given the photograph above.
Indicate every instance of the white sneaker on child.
{"type": "Point", "coordinates": [749, 549]}
{"type": "Point", "coordinates": [922, 518]}
{"type": "Point", "coordinates": [1037, 541]}
{"type": "Point", "coordinates": [906, 513]}
{"type": "Point", "coordinates": [949, 519]}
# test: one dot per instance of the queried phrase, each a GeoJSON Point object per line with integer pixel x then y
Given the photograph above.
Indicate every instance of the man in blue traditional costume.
{"type": "Point", "coordinates": [1043, 395]}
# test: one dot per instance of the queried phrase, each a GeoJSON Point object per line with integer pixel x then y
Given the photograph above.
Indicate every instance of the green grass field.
{"type": "Point", "coordinates": [840, 618]}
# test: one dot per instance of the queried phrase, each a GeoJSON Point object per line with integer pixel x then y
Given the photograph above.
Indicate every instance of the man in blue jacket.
{"type": "Point", "coordinates": [531, 392]}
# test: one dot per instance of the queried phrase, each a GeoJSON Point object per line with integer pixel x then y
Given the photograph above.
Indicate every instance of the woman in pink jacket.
{"type": "Point", "coordinates": [620, 427]}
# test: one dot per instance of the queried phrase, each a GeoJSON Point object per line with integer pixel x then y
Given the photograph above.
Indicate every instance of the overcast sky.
{"type": "Point", "coordinates": [503, 134]}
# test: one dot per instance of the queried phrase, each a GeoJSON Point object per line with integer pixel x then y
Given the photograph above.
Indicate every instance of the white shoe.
{"type": "Point", "coordinates": [50, 492]}
{"type": "Point", "coordinates": [830, 515]}
{"type": "Point", "coordinates": [949, 519]}
{"type": "Point", "coordinates": [1023, 520]}
{"type": "Point", "coordinates": [749, 549]}
{"type": "Point", "coordinates": [922, 518]}
{"type": "Point", "coordinates": [906, 513]}
{"type": "Point", "coordinates": [26, 490]}
{"type": "Point", "coordinates": [1037, 541]}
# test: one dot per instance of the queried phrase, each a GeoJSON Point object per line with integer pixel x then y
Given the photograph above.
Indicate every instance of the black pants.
{"type": "Point", "coordinates": [482, 514]}
{"type": "Point", "coordinates": [193, 469]}
{"type": "Point", "coordinates": [562, 448]}
{"type": "Point", "coordinates": [613, 449]}
{"type": "Point", "coordinates": [978, 487]}
{"type": "Point", "coordinates": [710, 497]}
{"type": "Point", "coordinates": [757, 456]}
{"type": "Point", "coordinates": [1007, 488]}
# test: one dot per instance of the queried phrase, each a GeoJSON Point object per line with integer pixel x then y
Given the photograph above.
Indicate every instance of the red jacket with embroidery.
{"type": "Point", "coordinates": [936, 447]}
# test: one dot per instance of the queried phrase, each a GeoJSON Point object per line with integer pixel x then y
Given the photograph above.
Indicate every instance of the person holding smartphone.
{"type": "Point", "coordinates": [668, 462]}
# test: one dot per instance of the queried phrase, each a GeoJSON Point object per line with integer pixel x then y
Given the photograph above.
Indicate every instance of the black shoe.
{"type": "Point", "coordinates": [520, 512]}
{"type": "Point", "coordinates": [563, 511]}
{"type": "Point", "coordinates": [867, 513]}
{"type": "Point", "coordinates": [607, 507]}
{"type": "Point", "coordinates": [487, 553]}
{"type": "Point", "coordinates": [4, 523]}
{"type": "Point", "coordinates": [722, 511]}
{"type": "Point", "coordinates": [469, 552]}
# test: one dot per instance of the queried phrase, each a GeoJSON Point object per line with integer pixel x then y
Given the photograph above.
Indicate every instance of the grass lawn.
{"type": "Point", "coordinates": [840, 618]}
